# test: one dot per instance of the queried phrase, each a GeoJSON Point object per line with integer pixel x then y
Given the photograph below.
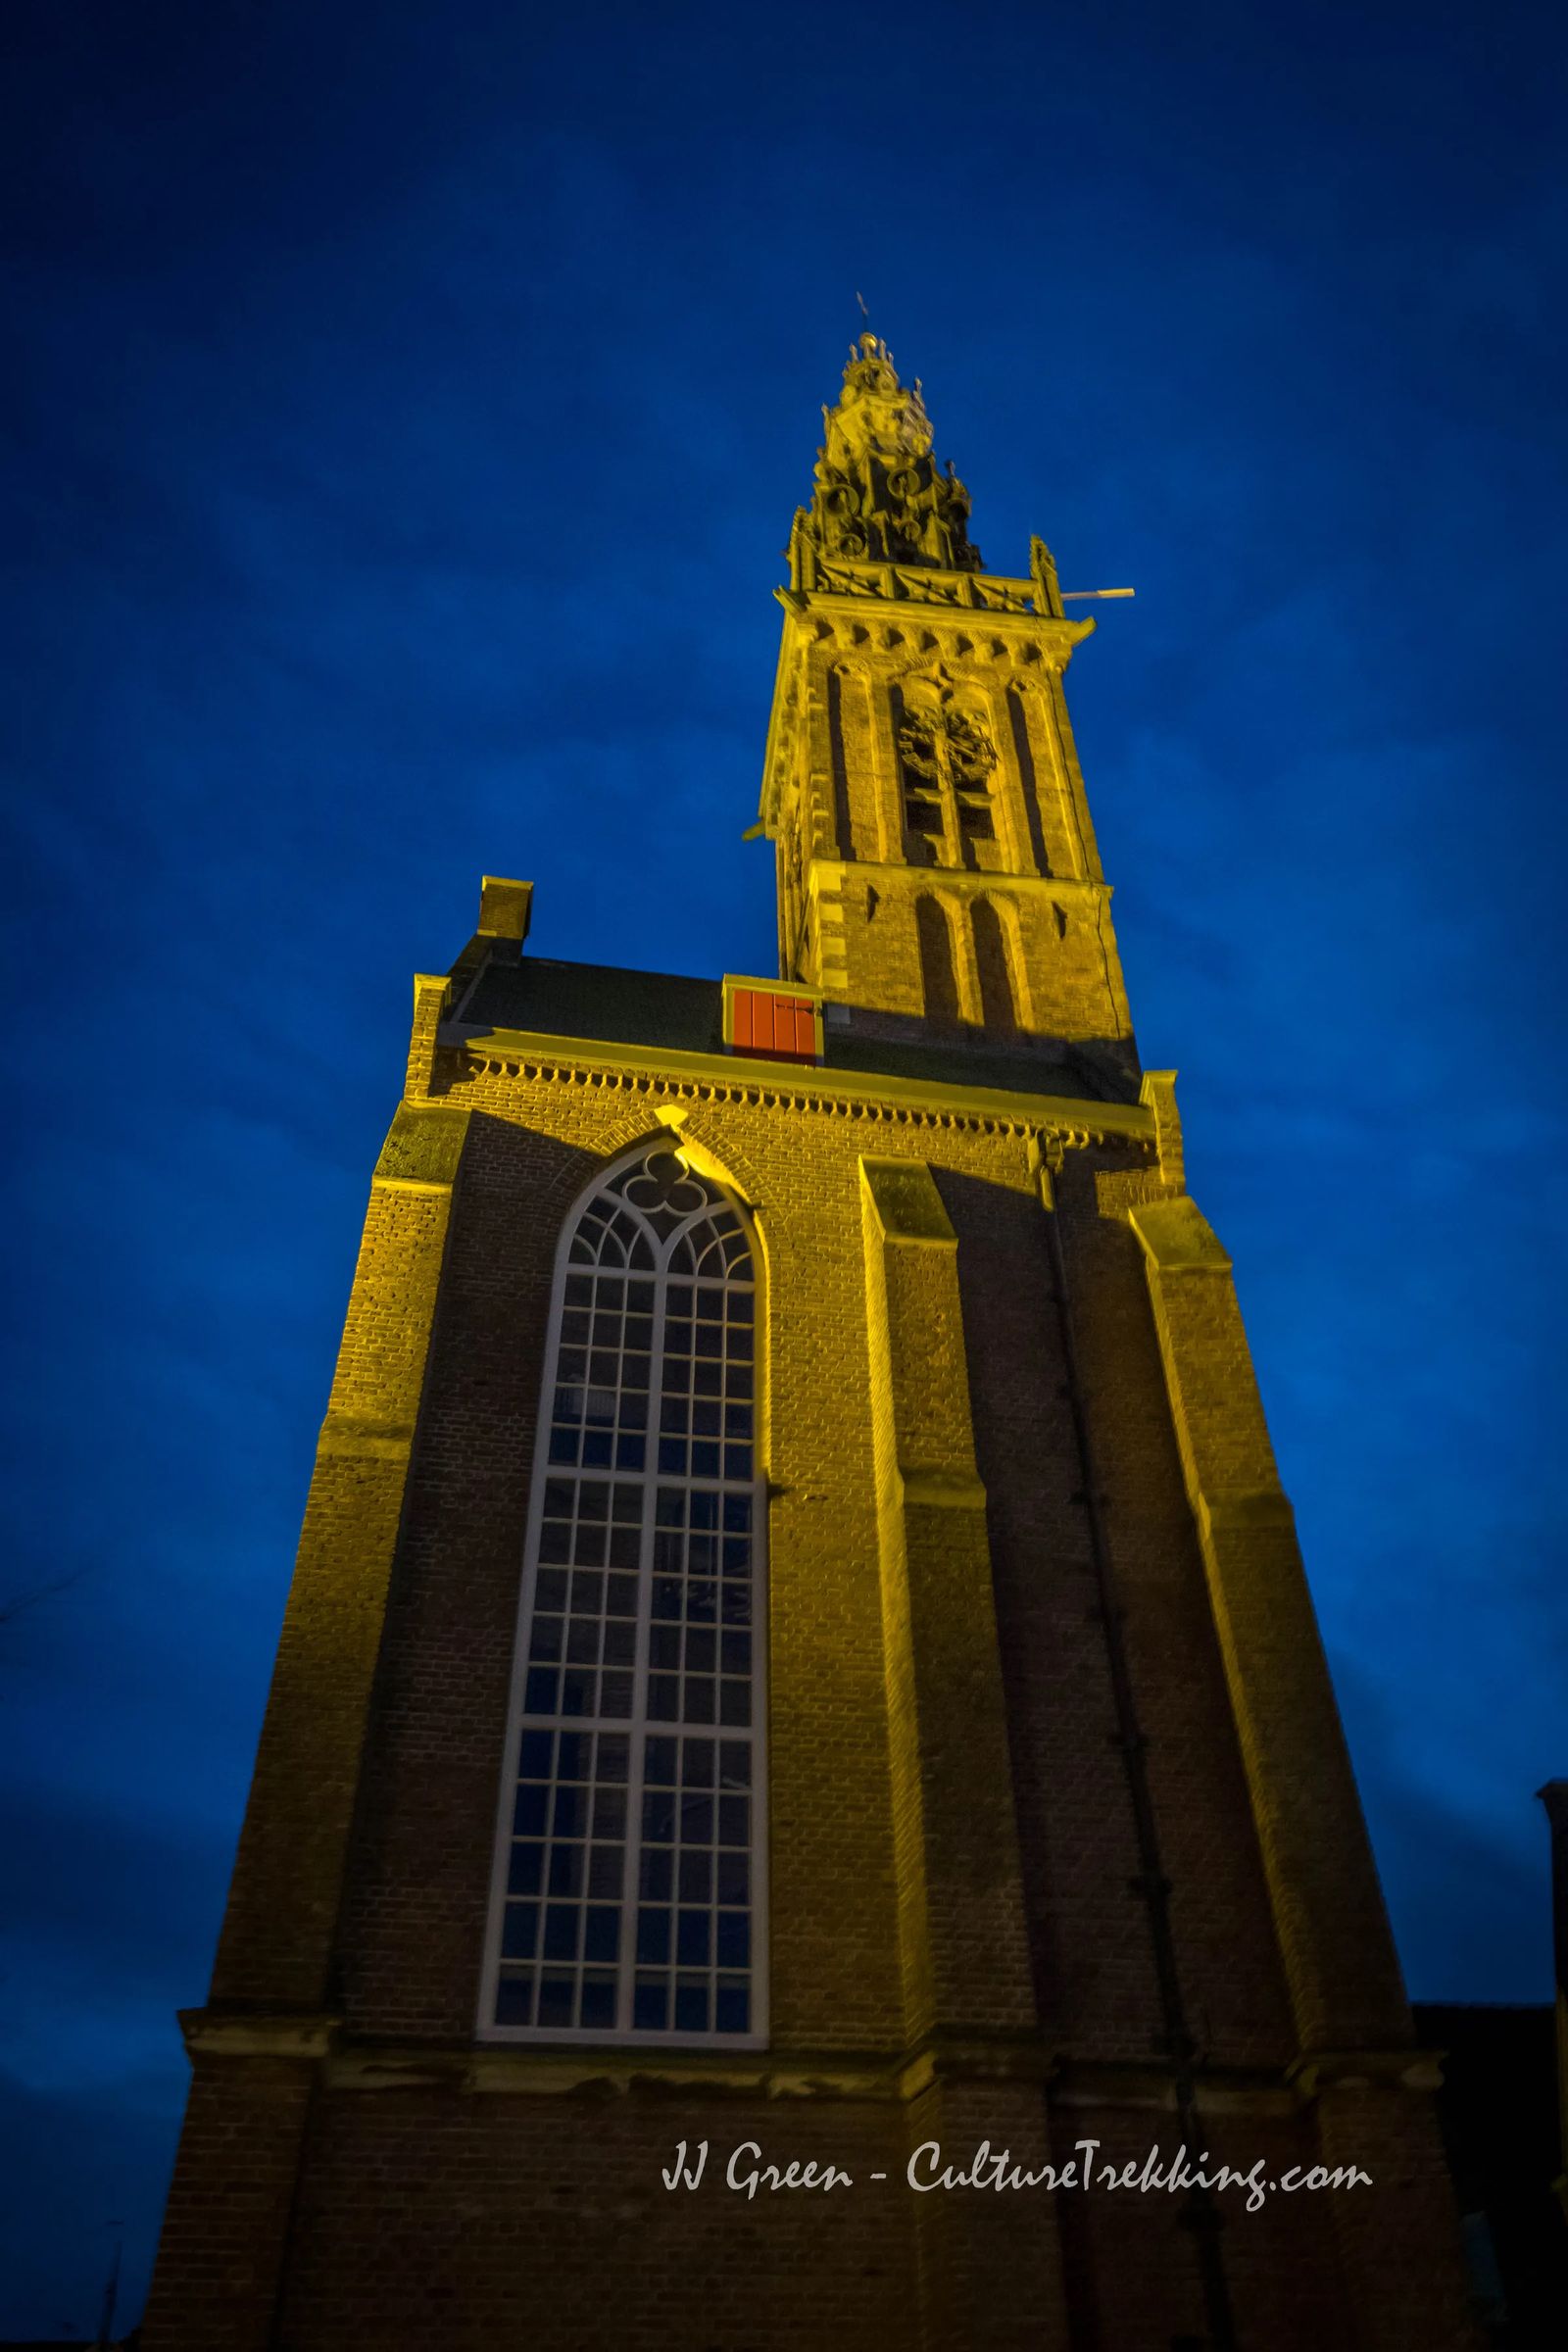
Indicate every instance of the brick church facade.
{"type": "Point", "coordinates": [798, 1643]}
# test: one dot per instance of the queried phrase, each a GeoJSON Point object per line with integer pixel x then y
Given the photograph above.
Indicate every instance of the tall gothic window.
{"type": "Point", "coordinates": [944, 760]}
{"type": "Point", "coordinates": [920, 778]}
{"type": "Point", "coordinates": [971, 757]}
{"type": "Point", "coordinates": [629, 1888]}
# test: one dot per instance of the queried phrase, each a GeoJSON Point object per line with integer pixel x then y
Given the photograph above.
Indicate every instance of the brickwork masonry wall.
{"type": "Point", "coordinates": [959, 1947]}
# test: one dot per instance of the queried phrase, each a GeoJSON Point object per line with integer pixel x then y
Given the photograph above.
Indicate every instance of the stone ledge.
{"type": "Point", "coordinates": [1178, 1237]}
{"type": "Point", "coordinates": [1076, 1122]}
{"type": "Point", "coordinates": [616, 2072]}
{"type": "Point", "coordinates": [260, 2033]}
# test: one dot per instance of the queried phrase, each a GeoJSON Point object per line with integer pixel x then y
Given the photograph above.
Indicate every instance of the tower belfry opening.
{"type": "Point", "coordinates": [798, 1652]}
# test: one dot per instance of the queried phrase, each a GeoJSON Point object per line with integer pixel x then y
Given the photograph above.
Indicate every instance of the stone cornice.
{"type": "Point", "coordinates": [822, 872]}
{"type": "Point", "coordinates": [946, 597]}
{"type": "Point", "coordinates": [666, 1073]}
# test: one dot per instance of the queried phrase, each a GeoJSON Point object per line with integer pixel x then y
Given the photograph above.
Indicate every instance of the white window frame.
{"type": "Point", "coordinates": [646, 2038]}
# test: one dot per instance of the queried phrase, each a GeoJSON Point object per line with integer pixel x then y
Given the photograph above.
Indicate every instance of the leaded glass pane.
{"type": "Point", "coordinates": [626, 1893]}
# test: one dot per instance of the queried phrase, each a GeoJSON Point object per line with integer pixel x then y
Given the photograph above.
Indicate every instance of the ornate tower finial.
{"type": "Point", "coordinates": [879, 494]}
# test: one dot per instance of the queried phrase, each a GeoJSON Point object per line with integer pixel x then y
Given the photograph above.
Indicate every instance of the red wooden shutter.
{"type": "Point", "coordinates": [773, 1025]}
{"type": "Point", "coordinates": [805, 1028]}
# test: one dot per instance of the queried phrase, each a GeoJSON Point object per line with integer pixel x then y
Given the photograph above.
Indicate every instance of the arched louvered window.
{"type": "Point", "coordinates": [629, 1876]}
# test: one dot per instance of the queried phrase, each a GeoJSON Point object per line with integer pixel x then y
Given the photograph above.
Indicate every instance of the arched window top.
{"type": "Point", "coordinates": [656, 1214]}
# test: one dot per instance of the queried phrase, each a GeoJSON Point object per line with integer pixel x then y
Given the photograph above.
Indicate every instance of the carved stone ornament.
{"type": "Point", "coordinates": [877, 493]}
{"type": "Point", "coordinates": [971, 755]}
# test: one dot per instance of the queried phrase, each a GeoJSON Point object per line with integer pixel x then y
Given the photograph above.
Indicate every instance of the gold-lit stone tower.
{"type": "Point", "coordinates": [937, 863]}
{"type": "Point", "coordinates": [799, 1648]}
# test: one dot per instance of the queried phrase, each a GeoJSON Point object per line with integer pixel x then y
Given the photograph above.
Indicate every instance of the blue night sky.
{"type": "Point", "coordinates": [405, 411]}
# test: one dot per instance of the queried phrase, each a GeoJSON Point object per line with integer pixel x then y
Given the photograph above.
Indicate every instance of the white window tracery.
{"type": "Point", "coordinates": [628, 1897]}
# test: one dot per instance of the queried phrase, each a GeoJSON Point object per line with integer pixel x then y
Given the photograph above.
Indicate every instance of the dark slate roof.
{"type": "Point", "coordinates": [619, 1007]}
{"type": "Point", "coordinates": [597, 1000]}
{"type": "Point", "coordinates": [1020, 1070]}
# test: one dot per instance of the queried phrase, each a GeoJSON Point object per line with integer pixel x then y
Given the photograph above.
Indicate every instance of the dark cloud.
{"type": "Point", "coordinates": [1466, 1875]}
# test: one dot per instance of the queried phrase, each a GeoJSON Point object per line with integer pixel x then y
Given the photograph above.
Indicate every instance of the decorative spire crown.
{"type": "Point", "coordinates": [879, 494]}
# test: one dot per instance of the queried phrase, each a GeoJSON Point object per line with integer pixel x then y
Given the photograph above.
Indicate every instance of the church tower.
{"type": "Point", "coordinates": [799, 1655]}
{"type": "Point", "coordinates": [936, 860]}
